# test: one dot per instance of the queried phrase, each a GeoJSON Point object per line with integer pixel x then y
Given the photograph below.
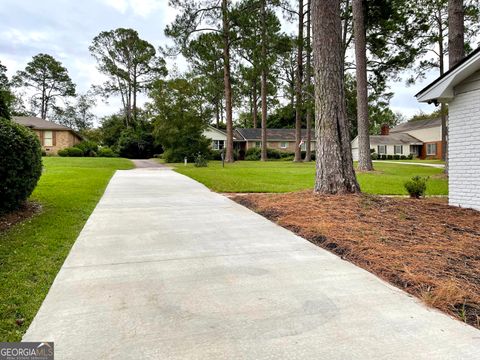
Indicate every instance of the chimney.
{"type": "Point", "coordinates": [385, 129]}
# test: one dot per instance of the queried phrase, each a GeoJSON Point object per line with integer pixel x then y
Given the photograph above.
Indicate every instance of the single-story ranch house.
{"type": "Point", "coordinates": [53, 137]}
{"type": "Point", "coordinates": [244, 139]}
{"type": "Point", "coordinates": [421, 138]}
{"type": "Point", "coordinates": [460, 88]}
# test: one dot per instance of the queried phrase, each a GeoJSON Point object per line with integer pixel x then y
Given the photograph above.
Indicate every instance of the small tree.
{"type": "Point", "coordinates": [179, 119]}
{"type": "Point", "coordinates": [49, 79]}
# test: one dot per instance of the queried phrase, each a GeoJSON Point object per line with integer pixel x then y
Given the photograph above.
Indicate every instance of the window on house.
{"type": "Point", "coordinates": [431, 149]}
{"type": "Point", "coordinates": [218, 144]}
{"type": "Point", "coordinates": [283, 145]}
{"type": "Point", "coordinates": [382, 149]}
{"type": "Point", "coordinates": [48, 138]}
{"type": "Point", "coordinates": [258, 144]}
{"type": "Point", "coordinates": [398, 149]}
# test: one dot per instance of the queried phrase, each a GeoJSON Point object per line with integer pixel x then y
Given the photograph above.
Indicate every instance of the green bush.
{"type": "Point", "coordinates": [389, 157]}
{"type": "Point", "coordinates": [89, 148]}
{"type": "Point", "coordinates": [403, 157]}
{"type": "Point", "coordinates": [374, 156]}
{"type": "Point", "coordinates": [106, 152]}
{"type": "Point", "coordinates": [410, 157]}
{"type": "Point", "coordinates": [20, 166]}
{"type": "Point", "coordinates": [253, 154]}
{"type": "Point", "coordinates": [137, 144]}
{"type": "Point", "coordinates": [396, 157]}
{"type": "Point", "coordinates": [215, 155]}
{"type": "Point", "coordinates": [70, 152]}
{"type": "Point", "coordinates": [417, 186]}
{"type": "Point", "coordinates": [200, 161]}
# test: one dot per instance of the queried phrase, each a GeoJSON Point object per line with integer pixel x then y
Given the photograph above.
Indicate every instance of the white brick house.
{"type": "Point", "coordinates": [460, 88]}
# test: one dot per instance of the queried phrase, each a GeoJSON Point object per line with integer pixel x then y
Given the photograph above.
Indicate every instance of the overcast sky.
{"type": "Point", "coordinates": [65, 29]}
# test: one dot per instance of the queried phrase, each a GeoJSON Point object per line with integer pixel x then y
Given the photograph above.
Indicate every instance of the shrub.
{"type": "Point", "coordinates": [106, 152]}
{"type": "Point", "coordinates": [71, 152]}
{"type": "Point", "coordinates": [253, 154]}
{"type": "Point", "coordinates": [403, 157]}
{"type": "Point", "coordinates": [274, 154]}
{"type": "Point", "coordinates": [384, 157]}
{"type": "Point", "coordinates": [215, 155]}
{"type": "Point", "coordinates": [89, 148]}
{"type": "Point", "coordinates": [304, 153]}
{"type": "Point", "coordinates": [417, 186]}
{"type": "Point", "coordinates": [410, 157]}
{"type": "Point", "coordinates": [389, 157]}
{"type": "Point", "coordinates": [396, 157]}
{"type": "Point", "coordinates": [200, 161]}
{"type": "Point", "coordinates": [44, 153]}
{"type": "Point", "coordinates": [137, 144]}
{"type": "Point", "coordinates": [374, 156]}
{"type": "Point", "coordinates": [20, 166]}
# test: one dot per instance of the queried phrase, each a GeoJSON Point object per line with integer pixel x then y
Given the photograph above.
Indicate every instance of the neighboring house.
{"type": "Point", "coordinates": [421, 138]}
{"type": "Point", "coordinates": [244, 139]}
{"type": "Point", "coordinates": [218, 137]}
{"type": "Point", "coordinates": [460, 88]}
{"type": "Point", "coordinates": [53, 137]}
{"type": "Point", "coordinates": [280, 139]}
{"type": "Point", "coordinates": [429, 132]}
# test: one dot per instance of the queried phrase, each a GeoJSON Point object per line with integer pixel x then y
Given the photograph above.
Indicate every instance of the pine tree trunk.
{"type": "Point", "coordinates": [364, 155]}
{"type": "Point", "coordinates": [255, 105]}
{"type": "Point", "coordinates": [308, 152]}
{"type": "Point", "coordinates": [456, 31]}
{"type": "Point", "coordinates": [299, 85]}
{"type": "Point", "coordinates": [334, 165]}
{"type": "Point", "coordinates": [263, 154]}
{"type": "Point", "coordinates": [227, 82]}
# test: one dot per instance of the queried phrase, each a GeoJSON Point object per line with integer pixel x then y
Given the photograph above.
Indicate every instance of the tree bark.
{"type": "Point", "coordinates": [308, 152]}
{"type": "Point", "coordinates": [364, 155]}
{"type": "Point", "coordinates": [263, 154]}
{"type": "Point", "coordinates": [255, 104]}
{"type": "Point", "coordinates": [456, 31]}
{"type": "Point", "coordinates": [334, 165]}
{"type": "Point", "coordinates": [299, 85]}
{"type": "Point", "coordinates": [227, 81]}
{"type": "Point", "coordinates": [441, 66]}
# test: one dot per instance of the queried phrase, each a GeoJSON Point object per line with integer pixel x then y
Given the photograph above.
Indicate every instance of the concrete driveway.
{"type": "Point", "coordinates": [166, 269]}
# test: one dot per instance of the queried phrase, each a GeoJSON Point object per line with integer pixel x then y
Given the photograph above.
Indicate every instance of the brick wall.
{"type": "Point", "coordinates": [464, 149]}
{"type": "Point", "coordinates": [438, 155]}
{"type": "Point", "coordinates": [61, 140]}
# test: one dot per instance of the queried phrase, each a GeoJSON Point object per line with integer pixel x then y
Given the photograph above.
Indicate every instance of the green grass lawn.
{"type": "Point", "coordinates": [427, 161]}
{"type": "Point", "coordinates": [286, 176]}
{"type": "Point", "coordinates": [32, 252]}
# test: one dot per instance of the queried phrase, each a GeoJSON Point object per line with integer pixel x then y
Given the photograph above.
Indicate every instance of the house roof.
{"type": "Point", "coordinates": [394, 139]}
{"type": "Point", "coordinates": [38, 123]}
{"type": "Point", "coordinates": [272, 134]}
{"type": "Point", "coordinates": [416, 125]}
{"type": "Point", "coordinates": [442, 88]}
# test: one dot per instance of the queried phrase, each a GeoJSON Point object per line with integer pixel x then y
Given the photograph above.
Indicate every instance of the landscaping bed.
{"type": "Point", "coordinates": [425, 247]}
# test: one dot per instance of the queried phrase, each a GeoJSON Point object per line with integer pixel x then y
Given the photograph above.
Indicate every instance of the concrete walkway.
{"type": "Point", "coordinates": [438, 166]}
{"type": "Point", "coordinates": [166, 269]}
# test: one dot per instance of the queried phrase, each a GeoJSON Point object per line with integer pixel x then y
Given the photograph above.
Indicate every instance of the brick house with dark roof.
{"type": "Point", "coordinates": [53, 137]}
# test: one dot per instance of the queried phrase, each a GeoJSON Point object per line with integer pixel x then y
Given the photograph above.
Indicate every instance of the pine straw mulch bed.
{"type": "Point", "coordinates": [429, 249]}
{"type": "Point", "coordinates": [24, 212]}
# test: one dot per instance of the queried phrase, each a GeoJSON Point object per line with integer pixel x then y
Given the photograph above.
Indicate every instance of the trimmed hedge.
{"type": "Point", "coordinates": [106, 152]}
{"type": "Point", "coordinates": [71, 152]}
{"type": "Point", "coordinates": [20, 164]}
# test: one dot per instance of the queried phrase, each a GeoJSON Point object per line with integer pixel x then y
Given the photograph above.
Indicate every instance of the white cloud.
{"type": "Point", "coordinates": [144, 8]}
{"type": "Point", "coordinates": [120, 5]}
{"type": "Point", "coordinates": [18, 37]}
